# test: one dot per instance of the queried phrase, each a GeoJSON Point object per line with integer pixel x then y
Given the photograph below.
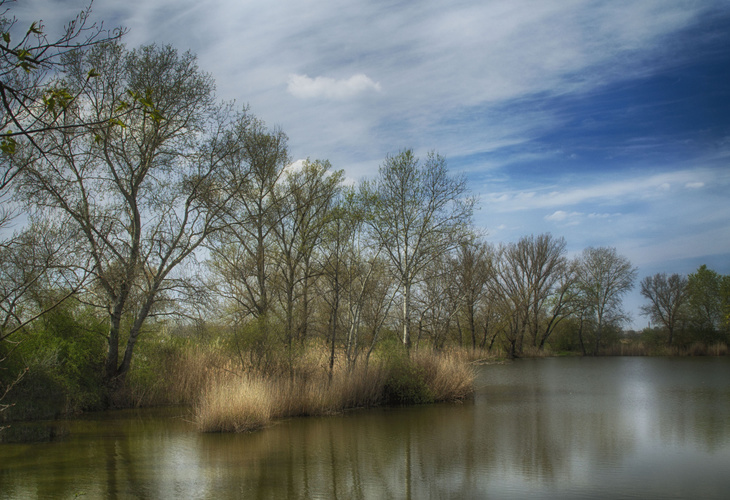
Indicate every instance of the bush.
{"type": "Point", "coordinates": [64, 353]}
{"type": "Point", "coordinates": [406, 383]}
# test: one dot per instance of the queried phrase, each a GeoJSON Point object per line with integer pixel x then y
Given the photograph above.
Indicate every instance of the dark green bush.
{"type": "Point", "coordinates": [64, 353]}
{"type": "Point", "coordinates": [406, 383]}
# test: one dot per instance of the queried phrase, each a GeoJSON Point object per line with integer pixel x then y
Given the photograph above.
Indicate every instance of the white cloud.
{"type": "Point", "coordinates": [616, 192]}
{"type": "Point", "coordinates": [694, 185]}
{"type": "Point", "coordinates": [304, 87]}
{"type": "Point", "coordinates": [603, 215]}
{"type": "Point", "coordinates": [561, 215]}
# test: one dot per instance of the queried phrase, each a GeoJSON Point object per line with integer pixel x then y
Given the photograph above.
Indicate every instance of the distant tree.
{"type": "Point", "coordinates": [668, 296]}
{"type": "Point", "coordinates": [604, 277]}
{"type": "Point", "coordinates": [535, 281]}
{"type": "Point", "coordinates": [354, 280]}
{"type": "Point", "coordinates": [472, 268]}
{"type": "Point", "coordinates": [437, 302]}
{"type": "Point", "coordinates": [417, 212]}
{"type": "Point", "coordinates": [706, 304]}
{"type": "Point", "coordinates": [510, 294]}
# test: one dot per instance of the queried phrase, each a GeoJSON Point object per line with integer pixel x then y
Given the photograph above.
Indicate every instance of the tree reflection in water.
{"type": "Point", "coordinates": [550, 427]}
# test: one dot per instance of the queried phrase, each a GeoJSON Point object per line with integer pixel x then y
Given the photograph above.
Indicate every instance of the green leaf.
{"type": "Point", "coordinates": [117, 121]}
{"type": "Point", "coordinates": [34, 29]}
{"type": "Point", "coordinates": [6, 37]}
{"type": "Point", "coordinates": [92, 74]}
{"type": "Point", "coordinates": [27, 67]}
{"type": "Point", "coordinates": [8, 146]}
{"type": "Point", "coordinates": [57, 100]}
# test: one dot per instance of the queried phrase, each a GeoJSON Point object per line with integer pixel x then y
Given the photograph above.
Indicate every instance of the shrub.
{"type": "Point", "coordinates": [406, 383]}
{"type": "Point", "coordinates": [64, 353]}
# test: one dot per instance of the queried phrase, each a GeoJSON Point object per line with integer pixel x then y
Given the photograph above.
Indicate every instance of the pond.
{"type": "Point", "coordinates": [543, 428]}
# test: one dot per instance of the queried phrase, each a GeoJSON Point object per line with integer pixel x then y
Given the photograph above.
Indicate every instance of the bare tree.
{"type": "Point", "coordinates": [534, 279]}
{"type": "Point", "coordinates": [416, 213]}
{"type": "Point", "coordinates": [355, 281]}
{"type": "Point", "coordinates": [510, 292]}
{"type": "Point", "coordinates": [437, 301]}
{"type": "Point", "coordinates": [604, 277]}
{"type": "Point", "coordinates": [562, 303]}
{"type": "Point", "coordinates": [142, 196]}
{"type": "Point", "coordinates": [305, 205]}
{"type": "Point", "coordinates": [667, 297]}
{"type": "Point", "coordinates": [241, 254]}
{"type": "Point", "coordinates": [473, 268]}
{"type": "Point", "coordinates": [33, 103]}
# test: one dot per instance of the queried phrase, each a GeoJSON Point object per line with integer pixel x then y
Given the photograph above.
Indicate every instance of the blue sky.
{"type": "Point", "coordinates": [607, 123]}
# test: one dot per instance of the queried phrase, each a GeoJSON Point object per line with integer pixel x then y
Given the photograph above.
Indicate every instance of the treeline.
{"type": "Point", "coordinates": [686, 310]}
{"type": "Point", "coordinates": [152, 210]}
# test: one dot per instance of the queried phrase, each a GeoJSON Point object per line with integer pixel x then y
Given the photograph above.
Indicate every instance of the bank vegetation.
{"type": "Point", "coordinates": [172, 252]}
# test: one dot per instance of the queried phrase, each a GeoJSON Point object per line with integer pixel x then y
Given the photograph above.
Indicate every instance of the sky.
{"type": "Point", "coordinates": [603, 122]}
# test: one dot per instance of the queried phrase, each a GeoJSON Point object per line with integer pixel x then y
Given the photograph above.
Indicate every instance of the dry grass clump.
{"type": "Point", "coordinates": [447, 377]}
{"type": "Point", "coordinates": [244, 402]}
{"type": "Point", "coordinates": [236, 404]}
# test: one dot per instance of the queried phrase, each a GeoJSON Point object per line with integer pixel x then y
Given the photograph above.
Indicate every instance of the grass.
{"type": "Point", "coordinates": [238, 402]}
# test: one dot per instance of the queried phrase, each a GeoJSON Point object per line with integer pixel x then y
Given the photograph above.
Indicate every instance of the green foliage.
{"type": "Point", "coordinates": [64, 353]}
{"type": "Point", "coordinates": [57, 100]}
{"type": "Point", "coordinates": [8, 145]}
{"type": "Point", "coordinates": [654, 337]}
{"type": "Point", "coordinates": [708, 305]}
{"type": "Point", "coordinates": [156, 359]}
{"type": "Point", "coordinates": [565, 338]}
{"type": "Point", "coordinates": [406, 383]}
{"type": "Point", "coordinates": [257, 343]}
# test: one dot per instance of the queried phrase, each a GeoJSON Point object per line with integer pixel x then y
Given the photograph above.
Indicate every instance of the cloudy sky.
{"type": "Point", "coordinates": [607, 123]}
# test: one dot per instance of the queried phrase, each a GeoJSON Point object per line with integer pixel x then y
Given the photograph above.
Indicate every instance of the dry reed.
{"type": "Point", "coordinates": [244, 402]}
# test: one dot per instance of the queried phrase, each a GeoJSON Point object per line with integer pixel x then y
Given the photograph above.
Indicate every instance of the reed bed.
{"type": "Point", "coordinates": [234, 402]}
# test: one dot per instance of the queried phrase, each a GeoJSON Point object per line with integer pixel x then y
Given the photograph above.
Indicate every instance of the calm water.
{"type": "Point", "coordinates": [545, 428]}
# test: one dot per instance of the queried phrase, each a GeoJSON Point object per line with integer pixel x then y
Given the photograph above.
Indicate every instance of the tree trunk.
{"type": "Point", "coordinates": [407, 315]}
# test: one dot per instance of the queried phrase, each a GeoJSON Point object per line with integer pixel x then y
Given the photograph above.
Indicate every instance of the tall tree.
{"type": "Point", "coordinates": [241, 254]}
{"type": "Point", "coordinates": [473, 269]}
{"type": "Point", "coordinates": [533, 280]}
{"type": "Point", "coordinates": [667, 297]}
{"type": "Point", "coordinates": [305, 205]}
{"type": "Point", "coordinates": [417, 212]}
{"type": "Point", "coordinates": [604, 277]}
{"type": "Point", "coordinates": [141, 194]}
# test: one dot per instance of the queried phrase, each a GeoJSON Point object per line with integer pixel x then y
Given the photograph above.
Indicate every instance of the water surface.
{"type": "Point", "coordinates": [544, 428]}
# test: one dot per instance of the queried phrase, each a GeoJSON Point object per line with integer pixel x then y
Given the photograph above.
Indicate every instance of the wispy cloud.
{"type": "Point", "coordinates": [304, 87]}
{"type": "Point", "coordinates": [603, 192]}
{"type": "Point", "coordinates": [545, 106]}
